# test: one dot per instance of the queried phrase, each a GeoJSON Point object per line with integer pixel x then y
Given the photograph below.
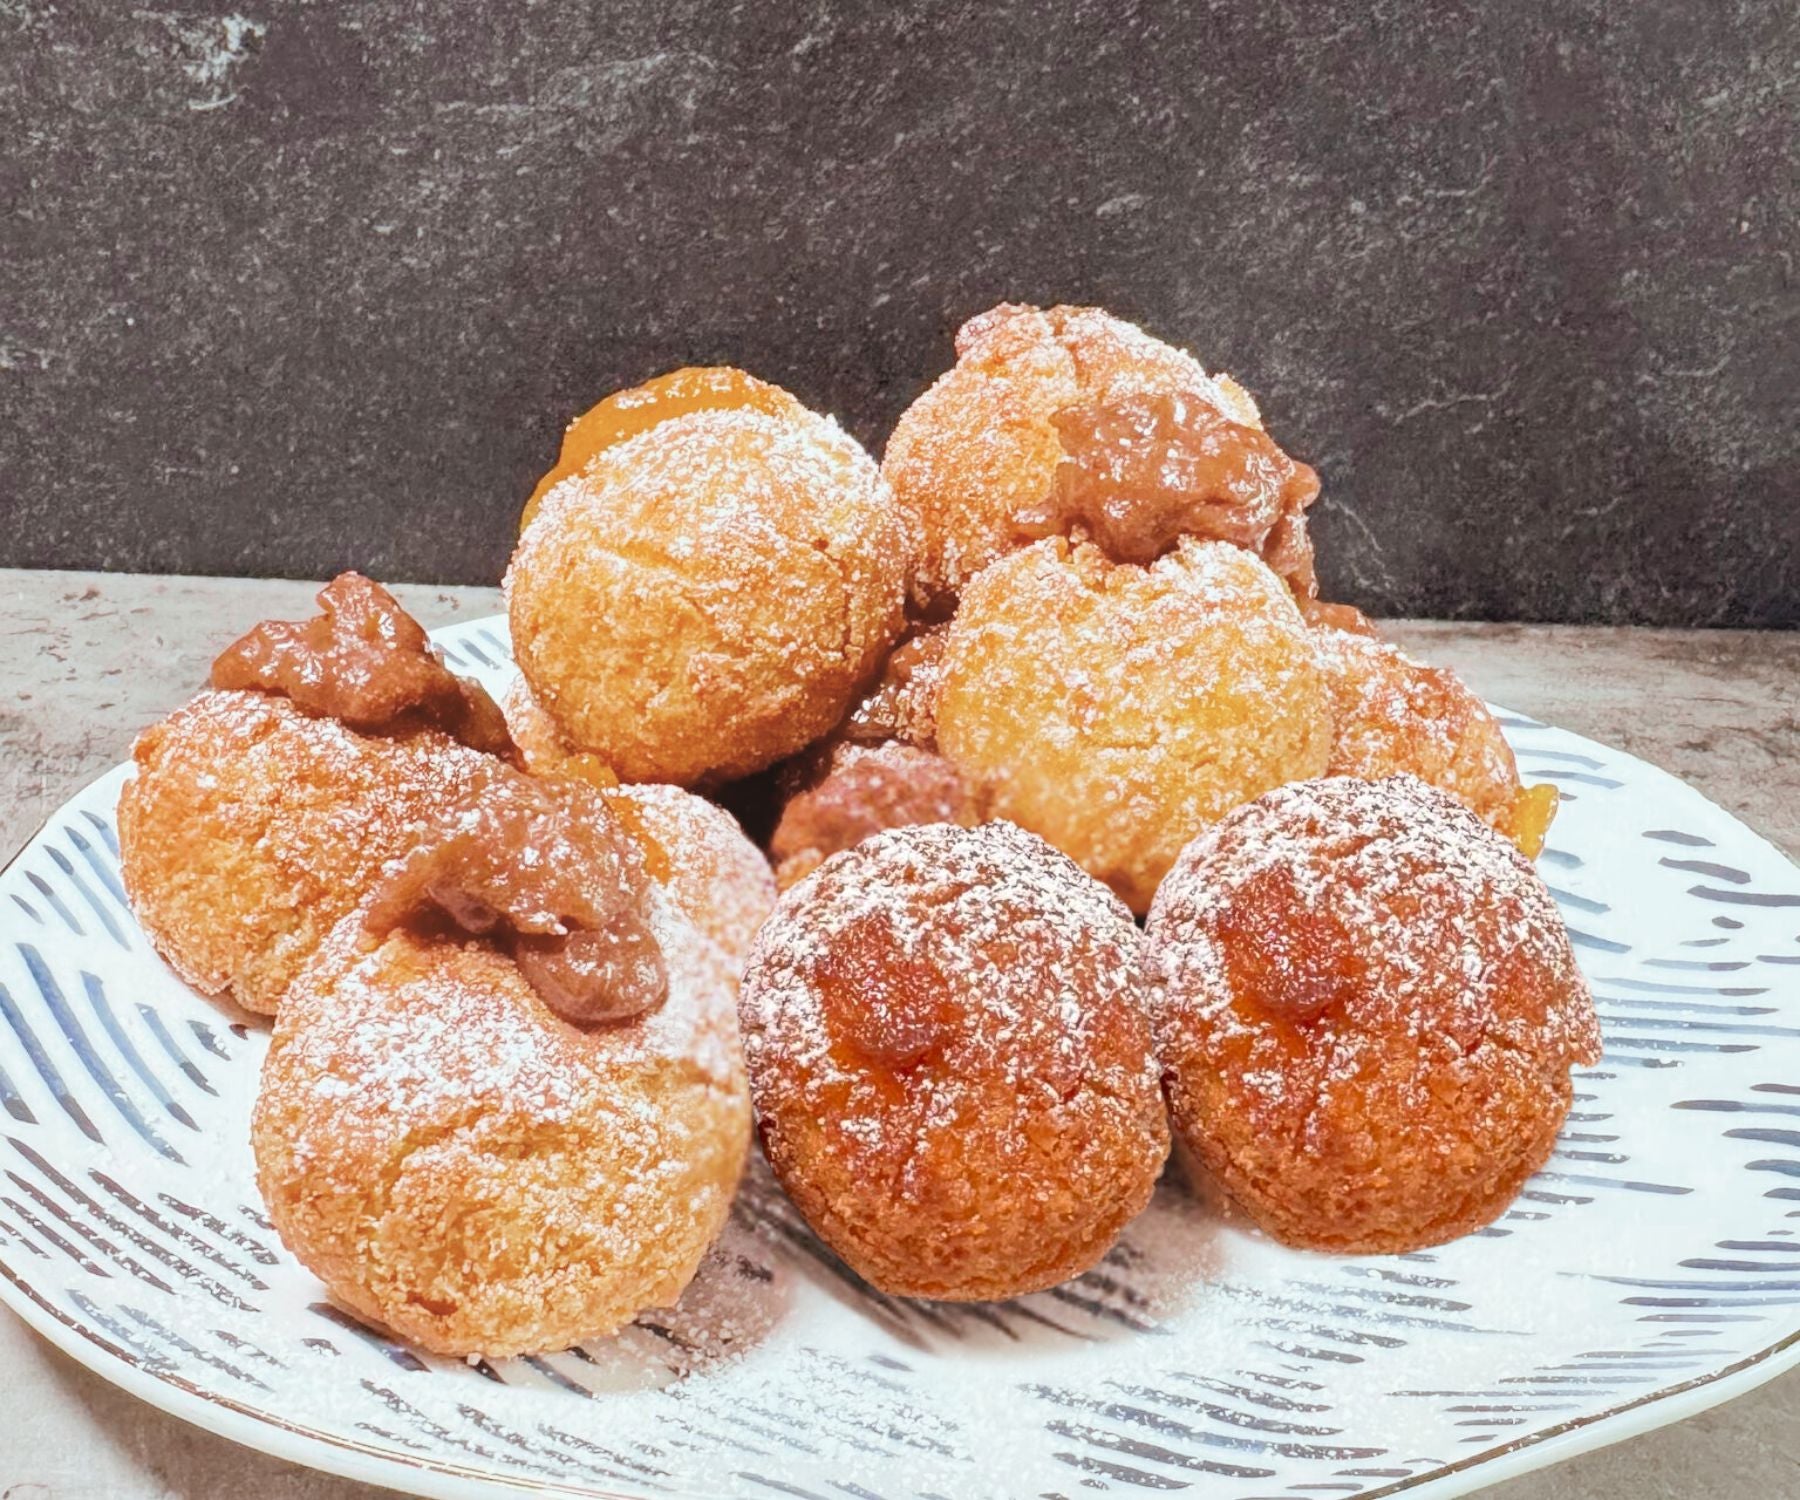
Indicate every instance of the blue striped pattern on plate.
{"type": "Point", "coordinates": [1658, 1253]}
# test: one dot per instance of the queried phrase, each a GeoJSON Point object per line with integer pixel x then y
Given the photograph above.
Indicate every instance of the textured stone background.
{"type": "Point", "coordinates": [294, 286]}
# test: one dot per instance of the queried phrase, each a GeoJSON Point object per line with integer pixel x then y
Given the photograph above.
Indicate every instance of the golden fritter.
{"type": "Point", "coordinates": [1392, 714]}
{"type": "Point", "coordinates": [625, 414]}
{"type": "Point", "coordinates": [261, 811]}
{"type": "Point", "coordinates": [951, 1064]}
{"type": "Point", "coordinates": [1368, 1013]}
{"type": "Point", "coordinates": [710, 594]}
{"type": "Point", "coordinates": [1069, 421]}
{"type": "Point", "coordinates": [1116, 710]}
{"type": "Point", "coordinates": [457, 1162]}
{"type": "Point", "coordinates": [251, 828]}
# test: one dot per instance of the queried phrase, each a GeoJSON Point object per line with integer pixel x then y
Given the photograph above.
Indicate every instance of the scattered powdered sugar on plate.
{"type": "Point", "coordinates": [816, 1382]}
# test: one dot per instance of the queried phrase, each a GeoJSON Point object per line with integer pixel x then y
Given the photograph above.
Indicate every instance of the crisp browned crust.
{"type": "Point", "coordinates": [951, 1066]}
{"type": "Point", "coordinates": [1368, 1015]}
{"type": "Point", "coordinates": [901, 704]}
{"type": "Point", "coordinates": [858, 791]}
{"type": "Point", "coordinates": [251, 828]}
{"type": "Point", "coordinates": [1392, 714]}
{"type": "Point", "coordinates": [454, 1161]}
{"type": "Point", "coordinates": [542, 749]}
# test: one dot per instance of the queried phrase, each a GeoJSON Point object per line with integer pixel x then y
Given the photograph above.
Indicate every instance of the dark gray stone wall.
{"type": "Point", "coordinates": [292, 286]}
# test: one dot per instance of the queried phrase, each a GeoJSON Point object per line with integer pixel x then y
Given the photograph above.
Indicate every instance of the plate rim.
{"type": "Point", "coordinates": [297, 1444]}
{"type": "Point", "coordinates": [346, 1458]}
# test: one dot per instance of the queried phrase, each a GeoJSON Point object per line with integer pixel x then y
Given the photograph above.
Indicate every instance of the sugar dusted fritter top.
{"type": "Point", "coordinates": [709, 595]}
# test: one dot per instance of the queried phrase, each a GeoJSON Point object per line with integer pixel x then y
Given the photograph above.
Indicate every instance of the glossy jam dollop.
{"type": "Point", "coordinates": [1289, 970]}
{"type": "Point", "coordinates": [1527, 822]}
{"type": "Point", "coordinates": [542, 868]}
{"type": "Point", "coordinates": [365, 662]}
{"type": "Point", "coordinates": [891, 1009]}
{"type": "Point", "coordinates": [1345, 617]}
{"type": "Point", "coordinates": [1143, 470]}
{"type": "Point", "coordinates": [625, 414]}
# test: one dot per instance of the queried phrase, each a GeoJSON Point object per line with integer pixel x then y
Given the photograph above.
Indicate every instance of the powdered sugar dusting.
{"type": "Point", "coordinates": [252, 827]}
{"type": "Point", "coordinates": [454, 1042]}
{"type": "Point", "coordinates": [902, 703]}
{"type": "Point", "coordinates": [1118, 709]}
{"type": "Point", "coordinates": [706, 597]}
{"type": "Point", "coordinates": [1191, 1320]}
{"type": "Point", "coordinates": [1392, 714]}
{"type": "Point", "coordinates": [718, 876]}
{"type": "Point", "coordinates": [1115, 358]}
{"type": "Point", "coordinates": [950, 1060]}
{"type": "Point", "coordinates": [949, 896]}
{"type": "Point", "coordinates": [416, 1087]}
{"type": "Point", "coordinates": [1453, 937]}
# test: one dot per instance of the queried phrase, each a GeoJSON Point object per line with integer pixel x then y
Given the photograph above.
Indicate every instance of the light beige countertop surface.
{"type": "Point", "coordinates": [87, 659]}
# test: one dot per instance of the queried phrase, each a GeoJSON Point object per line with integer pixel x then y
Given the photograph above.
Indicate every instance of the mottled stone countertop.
{"type": "Point", "coordinates": [91, 657]}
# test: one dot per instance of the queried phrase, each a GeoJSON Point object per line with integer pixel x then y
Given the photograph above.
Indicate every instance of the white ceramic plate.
{"type": "Point", "coordinates": [1652, 1269]}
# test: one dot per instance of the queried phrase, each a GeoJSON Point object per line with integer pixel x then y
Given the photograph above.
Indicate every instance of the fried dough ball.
{"type": "Point", "coordinates": [902, 702]}
{"type": "Point", "coordinates": [1393, 714]}
{"type": "Point", "coordinates": [1368, 1014]}
{"type": "Point", "coordinates": [1116, 710]}
{"type": "Point", "coordinates": [457, 1162]}
{"type": "Point", "coordinates": [879, 769]}
{"type": "Point", "coordinates": [541, 746]}
{"type": "Point", "coordinates": [951, 1067]}
{"type": "Point", "coordinates": [691, 845]}
{"type": "Point", "coordinates": [262, 809]}
{"type": "Point", "coordinates": [251, 828]}
{"type": "Point", "coordinates": [1066, 418]}
{"type": "Point", "coordinates": [718, 877]}
{"type": "Point", "coordinates": [709, 595]}
{"type": "Point", "coordinates": [859, 791]}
